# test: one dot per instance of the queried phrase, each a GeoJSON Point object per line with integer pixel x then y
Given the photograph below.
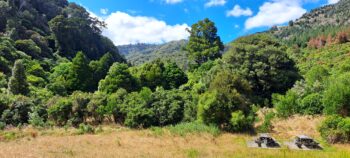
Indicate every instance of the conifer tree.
{"type": "Point", "coordinates": [18, 81]}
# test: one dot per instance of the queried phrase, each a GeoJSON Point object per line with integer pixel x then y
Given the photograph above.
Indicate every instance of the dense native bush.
{"type": "Point", "coordinates": [168, 107]}
{"type": "Point", "coordinates": [118, 77]}
{"type": "Point", "coordinates": [80, 102]}
{"type": "Point", "coordinates": [336, 129]}
{"type": "Point", "coordinates": [17, 111]}
{"type": "Point", "coordinates": [263, 61]}
{"type": "Point", "coordinates": [29, 47]}
{"type": "Point", "coordinates": [227, 94]}
{"type": "Point", "coordinates": [3, 82]}
{"type": "Point", "coordinates": [38, 116]}
{"type": "Point", "coordinates": [115, 106]}
{"type": "Point", "coordinates": [138, 109]}
{"type": "Point", "coordinates": [59, 110]}
{"type": "Point", "coordinates": [95, 107]}
{"type": "Point", "coordinates": [337, 95]}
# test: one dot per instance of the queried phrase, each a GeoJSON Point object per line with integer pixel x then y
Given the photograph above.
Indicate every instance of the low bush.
{"type": "Point", "coordinates": [86, 129]}
{"type": "Point", "coordinates": [336, 129]}
{"type": "Point", "coordinates": [267, 124]}
{"type": "Point", "coordinates": [286, 105]}
{"type": "Point", "coordinates": [240, 122]}
{"type": "Point", "coordinates": [2, 125]}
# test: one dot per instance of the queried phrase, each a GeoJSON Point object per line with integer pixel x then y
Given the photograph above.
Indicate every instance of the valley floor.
{"type": "Point", "coordinates": [121, 142]}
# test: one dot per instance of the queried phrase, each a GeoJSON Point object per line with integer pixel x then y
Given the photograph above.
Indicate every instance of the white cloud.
{"type": "Point", "coordinates": [173, 1]}
{"type": "Point", "coordinates": [276, 12]}
{"type": "Point", "coordinates": [123, 28]}
{"type": "Point", "coordinates": [212, 3]}
{"type": "Point", "coordinates": [333, 1]}
{"type": "Point", "coordinates": [104, 11]}
{"type": "Point", "coordinates": [237, 11]}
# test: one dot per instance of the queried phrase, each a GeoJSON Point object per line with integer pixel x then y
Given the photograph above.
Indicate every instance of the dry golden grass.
{"type": "Point", "coordinates": [121, 142]}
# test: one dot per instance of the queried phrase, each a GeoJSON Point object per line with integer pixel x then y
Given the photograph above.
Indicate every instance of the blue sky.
{"type": "Point", "coordinates": [159, 21]}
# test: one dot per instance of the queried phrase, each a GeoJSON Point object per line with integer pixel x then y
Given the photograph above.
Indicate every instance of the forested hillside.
{"type": "Point", "coordinates": [57, 70]}
{"type": "Point", "coordinates": [138, 54]}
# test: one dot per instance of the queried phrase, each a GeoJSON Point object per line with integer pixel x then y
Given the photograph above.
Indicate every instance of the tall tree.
{"type": "Point", "coordinates": [262, 60]}
{"type": "Point", "coordinates": [18, 81]}
{"type": "Point", "coordinates": [100, 67]}
{"type": "Point", "coordinates": [118, 77]}
{"type": "Point", "coordinates": [80, 76]}
{"type": "Point", "coordinates": [204, 44]}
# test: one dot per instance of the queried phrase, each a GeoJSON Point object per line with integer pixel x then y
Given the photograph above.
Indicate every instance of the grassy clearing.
{"type": "Point", "coordinates": [184, 129]}
{"type": "Point", "coordinates": [188, 140]}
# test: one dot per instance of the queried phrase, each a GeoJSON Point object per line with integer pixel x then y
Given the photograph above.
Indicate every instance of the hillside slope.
{"type": "Point", "coordinates": [142, 53]}
{"type": "Point", "coordinates": [328, 19]}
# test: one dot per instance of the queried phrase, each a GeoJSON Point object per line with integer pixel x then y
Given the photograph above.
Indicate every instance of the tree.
{"type": "Point", "coordinates": [75, 30]}
{"type": "Point", "coordinates": [226, 95]}
{"type": "Point", "coordinates": [100, 67]}
{"type": "Point", "coordinates": [80, 76]}
{"type": "Point", "coordinates": [204, 44]}
{"type": "Point", "coordinates": [28, 47]}
{"type": "Point", "coordinates": [151, 74]}
{"type": "Point", "coordinates": [118, 77]}
{"type": "Point", "coordinates": [173, 76]}
{"type": "Point", "coordinates": [18, 81]}
{"type": "Point", "coordinates": [262, 60]}
{"type": "Point", "coordinates": [168, 107]}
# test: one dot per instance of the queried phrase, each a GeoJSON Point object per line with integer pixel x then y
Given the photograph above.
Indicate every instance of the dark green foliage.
{"type": "Point", "coordinates": [138, 109]}
{"type": "Point", "coordinates": [28, 47]}
{"type": "Point", "coordinates": [76, 30]}
{"type": "Point", "coordinates": [3, 82]}
{"type": "Point", "coordinates": [118, 77]}
{"type": "Point", "coordinates": [226, 96]}
{"type": "Point", "coordinates": [168, 107]}
{"type": "Point", "coordinates": [17, 111]}
{"type": "Point", "coordinates": [5, 100]}
{"type": "Point", "coordinates": [335, 129]}
{"type": "Point", "coordinates": [100, 68]}
{"type": "Point", "coordinates": [204, 44]}
{"type": "Point", "coordinates": [80, 75]}
{"type": "Point", "coordinates": [80, 102]}
{"type": "Point", "coordinates": [262, 60]}
{"type": "Point", "coordinates": [174, 77]}
{"type": "Point", "coordinates": [18, 81]}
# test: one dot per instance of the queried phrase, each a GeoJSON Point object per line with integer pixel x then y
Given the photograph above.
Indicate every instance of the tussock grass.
{"type": "Point", "coordinates": [181, 141]}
